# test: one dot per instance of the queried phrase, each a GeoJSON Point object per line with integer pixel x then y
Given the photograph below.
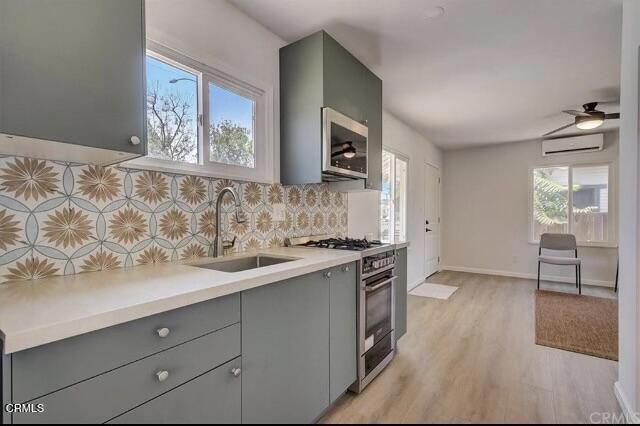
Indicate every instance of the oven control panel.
{"type": "Point", "coordinates": [378, 261]}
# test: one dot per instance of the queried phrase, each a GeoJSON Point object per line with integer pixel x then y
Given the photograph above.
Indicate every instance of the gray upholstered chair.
{"type": "Point", "coordinates": [560, 242]}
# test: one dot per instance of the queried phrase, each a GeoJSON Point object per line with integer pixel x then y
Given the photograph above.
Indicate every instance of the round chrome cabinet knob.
{"type": "Point", "coordinates": [236, 371]}
{"type": "Point", "coordinates": [327, 274]}
{"type": "Point", "coordinates": [346, 269]}
{"type": "Point", "coordinates": [163, 332]}
{"type": "Point", "coordinates": [162, 375]}
{"type": "Point", "coordinates": [135, 140]}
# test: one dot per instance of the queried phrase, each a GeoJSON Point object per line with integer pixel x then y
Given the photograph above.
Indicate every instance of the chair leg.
{"type": "Point", "coordinates": [538, 275]}
{"type": "Point", "coordinates": [577, 279]}
{"type": "Point", "coordinates": [580, 279]}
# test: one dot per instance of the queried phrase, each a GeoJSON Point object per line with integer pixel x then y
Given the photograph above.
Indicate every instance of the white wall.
{"type": "Point", "coordinates": [627, 386]}
{"type": "Point", "coordinates": [363, 206]}
{"type": "Point", "coordinates": [217, 34]}
{"type": "Point", "coordinates": [486, 211]}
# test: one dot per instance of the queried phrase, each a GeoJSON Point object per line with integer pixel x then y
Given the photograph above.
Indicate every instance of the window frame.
{"type": "Point", "coordinates": [612, 213]}
{"type": "Point", "coordinates": [397, 155]}
{"type": "Point", "coordinates": [263, 170]}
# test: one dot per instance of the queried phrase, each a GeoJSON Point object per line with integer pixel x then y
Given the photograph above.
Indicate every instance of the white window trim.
{"type": "Point", "coordinates": [613, 201]}
{"type": "Point", "coordinates": [261, 94]}
{"type": "Point", "coordinates": [406, 159]}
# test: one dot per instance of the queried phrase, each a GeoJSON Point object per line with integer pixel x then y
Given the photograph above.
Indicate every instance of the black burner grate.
{"type": "Point", "coordinates": [343, 244]}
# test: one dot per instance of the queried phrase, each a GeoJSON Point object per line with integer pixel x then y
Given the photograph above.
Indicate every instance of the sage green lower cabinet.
{"type": "Point", "coordinates": [401, 293]}
{"type": "Point", "coordinates": [279, 353]}
{"type": "Point", "coordinates": [44, 369]}
{"type": "Point", "coordinates": [213, 397]}
{"type": "Point", "coordinates": [104, 397]}
{"type": "Point", "coordinates": [5, 385]}
{"type": "Point", "coordinates": [285, 351]}
{"type": "Point", "coordinates": [343, 340]}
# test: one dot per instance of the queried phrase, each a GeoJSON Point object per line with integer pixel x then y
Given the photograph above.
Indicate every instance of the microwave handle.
{"type": "Point", "coordinates": [379, 286]}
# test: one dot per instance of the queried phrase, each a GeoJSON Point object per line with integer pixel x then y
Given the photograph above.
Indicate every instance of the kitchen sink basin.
{"type": "Point", "coordinates": [245, 263]}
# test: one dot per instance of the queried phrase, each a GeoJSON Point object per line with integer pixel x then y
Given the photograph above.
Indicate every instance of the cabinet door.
{"type": "Point", "coordinates": [401, 293]}
{"type": "Point", "coordinates": [73, 71]}
{"type": "Point", "coordinates": [343, 330]}
{"type": "Point", "coordinates": [211, 398]}
{"type": "Point", "coordinates": [352, 89]}
{"type": "Point", "coordinates": [285, 351]}
{"type": "Point", "coordinates": [108, 395]}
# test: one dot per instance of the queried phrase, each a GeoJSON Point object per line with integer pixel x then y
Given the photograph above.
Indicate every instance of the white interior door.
{"type": "Point", "coordinates": [432, 220]}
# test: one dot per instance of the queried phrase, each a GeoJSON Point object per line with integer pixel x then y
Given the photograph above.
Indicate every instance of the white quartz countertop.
{"type": "Point", "coordinates": [51, 309]}
{"type": "Point", "coordinates": [401, 244]}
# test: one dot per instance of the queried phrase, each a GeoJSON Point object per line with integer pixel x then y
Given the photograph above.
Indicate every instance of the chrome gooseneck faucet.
{"type": "Point", "coordinates": [218, 249]}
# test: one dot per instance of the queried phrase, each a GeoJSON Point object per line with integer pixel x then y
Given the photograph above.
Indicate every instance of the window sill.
{"type": "Point", "coordinates": [586, 244]}
{"type": "Point", "coordinates": [229, 172]}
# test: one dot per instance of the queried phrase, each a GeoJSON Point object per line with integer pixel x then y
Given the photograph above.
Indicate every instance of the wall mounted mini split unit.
{"type": "Point", "coordinates": [573, 145]}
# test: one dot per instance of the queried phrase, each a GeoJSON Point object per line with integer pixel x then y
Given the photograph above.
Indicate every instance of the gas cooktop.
{"type": "Point", "coordinates": [343, 244]}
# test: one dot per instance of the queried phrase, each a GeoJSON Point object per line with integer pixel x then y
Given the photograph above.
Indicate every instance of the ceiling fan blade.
{"type": "Point", "coordinates": [611, 116]}
{"type": "Point", "coordinates": [576, 113]}
{"type": "Point", "coordinates": [558, 129]}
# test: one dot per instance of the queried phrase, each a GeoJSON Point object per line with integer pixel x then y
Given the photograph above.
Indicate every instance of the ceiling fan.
{"type": "Point", "coordinates": [588, 119]}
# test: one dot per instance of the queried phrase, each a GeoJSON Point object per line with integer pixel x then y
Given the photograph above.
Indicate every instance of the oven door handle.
{"type": "Point", "coordinates": [368, 289]}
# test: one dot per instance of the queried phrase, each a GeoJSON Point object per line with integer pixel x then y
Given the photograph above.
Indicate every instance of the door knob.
{"type": "Point", "coordinates": [134, 140]}
{"type": "Point", "coordinates": [162, 375]}
{"type": "Point", "coordinates": [163, 332]}
{"type": "Point", "coordinates": [236, 371]}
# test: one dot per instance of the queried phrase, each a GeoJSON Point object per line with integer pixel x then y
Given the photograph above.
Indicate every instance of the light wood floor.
{"type": "Point", "coordinates": [472, 358]}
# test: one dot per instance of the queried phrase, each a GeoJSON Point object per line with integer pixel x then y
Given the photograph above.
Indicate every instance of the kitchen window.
{"type": "Point", "coordinates": [393, 197]}
{"type": "Point", "coordinates": [203, 121]}
{"type": "Point", "coordinates": [577, 199]}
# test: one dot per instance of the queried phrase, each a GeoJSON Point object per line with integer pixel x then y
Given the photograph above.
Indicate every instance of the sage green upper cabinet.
{"type": "Point", "coordinates": [72, 79]}
{"type": "Point", "coordinates": [317, 72]}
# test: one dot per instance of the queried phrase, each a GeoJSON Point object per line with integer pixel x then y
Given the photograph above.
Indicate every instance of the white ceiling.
{"type": "Point", "coordinates": [487, 71]}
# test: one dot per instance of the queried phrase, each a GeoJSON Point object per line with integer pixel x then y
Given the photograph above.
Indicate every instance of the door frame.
{"type": "Point", "coordinates": [424, 238]}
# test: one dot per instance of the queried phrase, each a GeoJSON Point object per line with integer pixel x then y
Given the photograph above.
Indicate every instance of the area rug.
{"type": "Point", "coordinates": [583, 324]}
{"type": "Point", "coordinates": [437, 291]}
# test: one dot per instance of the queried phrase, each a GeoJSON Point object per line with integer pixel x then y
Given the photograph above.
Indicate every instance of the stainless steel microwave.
{"type": "Point", "coordinates": [344, 145]}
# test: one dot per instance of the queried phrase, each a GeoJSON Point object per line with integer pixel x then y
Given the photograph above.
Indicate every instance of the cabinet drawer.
{"type": "Point", "coordinates": [211, 398]}
{"type": "Point", "coordinates": [47, 368]}
{"type": "Point", "coordinates": [104, 397]}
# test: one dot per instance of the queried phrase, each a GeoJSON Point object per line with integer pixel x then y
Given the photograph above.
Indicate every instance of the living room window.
{"type": "Point", "coordinates": [574, 199]}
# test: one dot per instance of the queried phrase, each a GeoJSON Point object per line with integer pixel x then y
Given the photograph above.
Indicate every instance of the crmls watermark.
{"type": "Point", "coordinates": [607, 418]}
{"type": "Point", "coordinates": [24, 408]}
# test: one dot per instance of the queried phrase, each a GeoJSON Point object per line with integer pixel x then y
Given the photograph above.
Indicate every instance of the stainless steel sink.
{"type": "Point", "coordinates": [245, 263]}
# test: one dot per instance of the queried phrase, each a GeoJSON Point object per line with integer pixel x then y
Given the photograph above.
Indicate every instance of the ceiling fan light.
{"type": "Point", "coordinates": [350, 153]}
{"type": "Point", "coordinates": [589, 123]}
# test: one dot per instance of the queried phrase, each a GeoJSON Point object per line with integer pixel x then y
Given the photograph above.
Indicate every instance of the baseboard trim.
{"type": "Point", "coordinates": [599, 283]}
{"type": "Point", "coordinates": [630, 415]}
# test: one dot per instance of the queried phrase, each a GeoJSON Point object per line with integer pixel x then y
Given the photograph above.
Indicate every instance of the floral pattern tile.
{"type": "Point", "coordinates": [58, 218]}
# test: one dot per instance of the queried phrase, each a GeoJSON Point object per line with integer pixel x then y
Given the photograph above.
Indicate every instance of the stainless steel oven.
{"type": "Point", "coordinates": [344, 145]}
{"type": "Point", "coordinates": [376, 315]}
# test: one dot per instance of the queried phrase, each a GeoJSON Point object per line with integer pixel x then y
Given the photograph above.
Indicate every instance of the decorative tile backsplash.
{"type": "Point", "coordinates": [58, 218]}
